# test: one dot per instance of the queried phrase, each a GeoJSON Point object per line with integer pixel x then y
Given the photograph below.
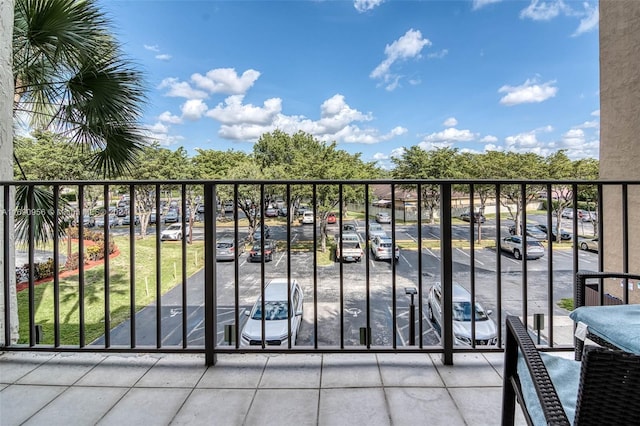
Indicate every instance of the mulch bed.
{"type": "Point", "coordinates": [87, 265]}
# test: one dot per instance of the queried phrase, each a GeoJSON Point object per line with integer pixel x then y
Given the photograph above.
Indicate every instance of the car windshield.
{"type": "Point", "coordinates": [534, 243]}
{"type": "Point", "coordinates": [275, 310]}
{"type": "Point", "coordinates": [225, 245]}
{"type": "Point", "coordinates": [462, 312]}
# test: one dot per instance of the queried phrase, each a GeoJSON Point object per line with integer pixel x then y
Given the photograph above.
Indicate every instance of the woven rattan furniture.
{"type": "Point", "coordinates": [594, 281]}
{"type": "Point", "coordinates": [607, 391]}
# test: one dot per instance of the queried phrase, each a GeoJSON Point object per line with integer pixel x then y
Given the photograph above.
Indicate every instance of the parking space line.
{"type": "Point", "coordinates": [431, 253]}
{"type": "Point", "coordinates": [468, 255]}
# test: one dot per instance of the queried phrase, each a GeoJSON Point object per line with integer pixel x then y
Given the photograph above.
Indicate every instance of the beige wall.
{"type": "Point", "coordinates": [6, 152]}
{"type": "Point", "coordinates": [620, 127]}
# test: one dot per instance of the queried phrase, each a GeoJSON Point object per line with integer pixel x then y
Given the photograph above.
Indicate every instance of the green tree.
{"type": "Point", "coordinates": [301, 156]}
{"type": "Point", "coordinates": [72, 78]}
{"type": "Point", "coordinates": [212, 164]}
{"type": "Point", "coordinates": [417, 163]}
{"type": "Point", "coordinates": [157, 163]}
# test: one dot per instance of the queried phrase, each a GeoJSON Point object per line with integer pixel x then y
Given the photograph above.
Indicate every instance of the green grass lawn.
{"type": "Point", "coordinates": [120, 295]}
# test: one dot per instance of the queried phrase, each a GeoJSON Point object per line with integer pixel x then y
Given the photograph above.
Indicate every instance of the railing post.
{"type": "Point", "coordinates": [210, 308]}
{"type": "Point", "coordinates": [446, 273]}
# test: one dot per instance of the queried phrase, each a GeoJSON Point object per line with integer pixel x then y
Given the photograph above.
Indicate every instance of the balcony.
{"type": "Point", "coordinates": [252, 389]}
{"type": "Point", "coordinates": [370, 344]}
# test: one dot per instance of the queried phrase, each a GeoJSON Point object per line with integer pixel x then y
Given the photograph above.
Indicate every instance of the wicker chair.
{"type": "Point", "coordinates": [584, 282]}
{"type": "Point", "coordinates": [608, 387]}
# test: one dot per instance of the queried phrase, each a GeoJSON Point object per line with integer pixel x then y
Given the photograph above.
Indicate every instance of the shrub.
{"type": "Point", "coordinates": [44, 269]}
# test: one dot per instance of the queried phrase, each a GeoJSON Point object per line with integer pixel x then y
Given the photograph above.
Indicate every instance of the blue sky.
{"type": "Point", "coordinates": [375, 76]}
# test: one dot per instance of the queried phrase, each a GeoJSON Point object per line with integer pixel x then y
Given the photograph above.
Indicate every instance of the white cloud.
{"type": "Point", "coordinates": [596, 113]}
{"type": "Point", "coordinates": [163, 57]}
{"type": "Point", "coordinates": [193, 109]}
{"type": "Point", "coordinates": [589, 22]}
{"type": "Point", "coordinates": [489, 139]}
{"type": "Point", "coordinates": [545, 10]}
{"type": "Point", "coordinates": [529, 92]}
{"type": "Point", "coordinates": [378, 156]}
{"type": "Point", "coordinates": [593, 124]}
{"type": "Point", "coordinates": [397, 152]}
{"type": "Point", "coordinates": [450, 122]}
{"type": "Point", "coordinates": [366, 5]}
{"type": "Point", "coordinates": [158, 128]}
{"type": "Point", "coordinates": [181, 89]}
{"type": "Point", "coordinates": [574, 137]}
{"type": "Point", "coordinates": [338, 121]}
{"type": "Point", "coordinates": [167, 117]}
{"type": "Point", "coordinates": [226, 80]}
{"type": "Point", "coordinates": [526, 141]}
{"type": "Point", "coordinates": [406, 47]}
{"type": "Point", "coordinates": [542, 10]}
{"type": "Point", "coordinates": [438, 55]}
{"type": "Point", "coordinates": [477, 4]}
{"type": "Point", "coordinates": [158, 132]}
{"type": "Point", "coordinates": [234, 112]}
{"type": "Point", "coordinates": [151, 48]}
{"type": "Point", "coordinates": [450, 135]}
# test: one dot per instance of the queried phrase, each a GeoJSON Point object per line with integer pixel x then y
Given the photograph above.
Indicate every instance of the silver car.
{"type": "Point", "coordinates": [227, 249]}
{"type": "Point", "coordinates": [590, 244]}
{"type": "Point", "coordinates": [513, 245]}
{"type": "Point", "coordinates": [382, 249]}
{"type": "Point", "coordinates": [485, 329]}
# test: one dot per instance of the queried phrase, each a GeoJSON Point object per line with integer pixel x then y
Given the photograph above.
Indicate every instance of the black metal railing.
{"type": "Point", "coordinates": [138, 288]}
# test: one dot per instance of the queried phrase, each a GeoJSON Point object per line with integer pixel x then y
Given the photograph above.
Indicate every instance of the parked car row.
{"type": "Point", "coordinates": [283, 314]}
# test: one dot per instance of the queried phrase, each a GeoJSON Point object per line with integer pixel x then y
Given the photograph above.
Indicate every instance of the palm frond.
{"type": "Point", "coordinates": [71, 77]}
{"type": "Point", "coordinates": [37, 203]}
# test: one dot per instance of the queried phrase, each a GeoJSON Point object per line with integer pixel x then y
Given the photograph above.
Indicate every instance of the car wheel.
{"type": "Point", "coordinates": [584, 246]}
{"type": "Point", "coordinates": [516, 254]}
{"type": "Point", "coordinates": [179, 237]}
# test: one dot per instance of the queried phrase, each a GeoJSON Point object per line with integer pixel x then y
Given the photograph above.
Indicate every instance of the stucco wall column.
{"type": "Point", "coordinates": [620, 128]}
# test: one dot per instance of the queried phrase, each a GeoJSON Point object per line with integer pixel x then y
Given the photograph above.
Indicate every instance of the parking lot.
{"type": "Point", "coordinates": [363, 298]}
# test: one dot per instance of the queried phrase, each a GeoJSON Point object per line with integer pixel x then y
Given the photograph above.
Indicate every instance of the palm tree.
{"type": "Point", "coordinates": [70, 77]}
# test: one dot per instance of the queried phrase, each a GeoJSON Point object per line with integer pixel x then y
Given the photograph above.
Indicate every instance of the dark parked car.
{"type": "Point", "coordinates": [257, 235]}
{"type": "Point", "coordinates": [532, 231]}
{"type": "Point", "coordinates": [477, 217]}
{"type": "Point", "coordinates": [255, 255]}
{"type": "Point", "coordinates": [564, 235]}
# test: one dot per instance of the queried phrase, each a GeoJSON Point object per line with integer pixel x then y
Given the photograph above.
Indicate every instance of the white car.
{"type": "Point", "coordinates": [486, 331]}
{"type": "Point", "coordinates": [513, 245]}
{"type": "Point", "coordinates": [376, 230]}
{"type": "Point", "coordinates": [383, 217]}
{"type": "Point", "coordinates": [174, 232]}
{"type": "Point", "coordinates": [308, 217]}
{"type": "Point", "coordinates": [277, 314]}
{"type": "Point", "coordinates": [381, 248]}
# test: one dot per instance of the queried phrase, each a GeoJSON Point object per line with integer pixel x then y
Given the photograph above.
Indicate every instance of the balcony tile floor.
{"type": "Point", "coordinates": [250, 389]}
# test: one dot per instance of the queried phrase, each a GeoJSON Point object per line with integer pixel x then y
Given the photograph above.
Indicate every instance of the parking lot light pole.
{"type": "Point", "coordinates": [412, 315]}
